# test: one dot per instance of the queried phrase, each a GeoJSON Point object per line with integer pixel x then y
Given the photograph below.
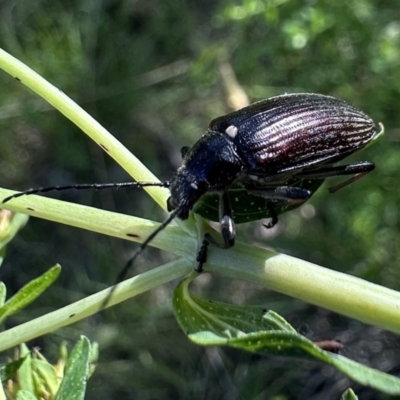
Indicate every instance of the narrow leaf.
{"type": "Point", "coordinates": [3, 252]}
{"type": "Point", "coordinates": [252, 329]}
{"type": "Point", "coordinates": [3, 293]}
{"type": "Point", "coordinates": [25, 395]}
{"type": "Point", "coordinates": [9, 370]}
{"type": "Point", "coordinates": [29, 293]}
{"type": "Point", "coordinates": [47, 375]}
{"type": "Point", "coordinates": [349, 395]}
{"type": "Point", "coordinates": [25, 377]}
{"type": "Point", "coordinates": [73, 385]}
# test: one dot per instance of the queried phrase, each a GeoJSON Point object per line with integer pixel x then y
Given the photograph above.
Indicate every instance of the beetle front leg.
{"type": "Point", "coordinates": [228, 231]}
{"type": "Point", "coordinates": [202, 254]}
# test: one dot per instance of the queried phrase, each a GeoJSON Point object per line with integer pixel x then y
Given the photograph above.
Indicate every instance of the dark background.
{"type": "Point", "coordinates": [154, 73]}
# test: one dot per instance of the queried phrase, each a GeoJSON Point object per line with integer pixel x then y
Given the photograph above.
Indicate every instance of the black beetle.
{"type": "Point", "coordinates": [262, 147]}
{"type": "Point", "coordinates": [271, 150]}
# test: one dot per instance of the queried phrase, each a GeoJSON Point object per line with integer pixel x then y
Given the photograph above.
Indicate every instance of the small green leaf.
{"type": "Point", "coordinates": [3, 252]}
{"type": "Point", "coordinates": [25, 395]}
{"type": "Point", "coordinates": [247, 207]}
{"type": "Point", "coordinates": [349, 395]}
{"type": "Point", "coordinates": [47, 374]}
{"type": "Point", "coordinates": [76, 371]}
{"type": "Point", "coordinates": [9, 370]}
{"type": "Point", "coordinates": [250, 328]}
{"type": "Point", "coordinates": [278, 322]}
{"type": "Point", "coordinates": [29, 293]}
{"type": "Point", "coordinates": [3, 293]}
{"type": "Point", "coordinates": [25, 376]}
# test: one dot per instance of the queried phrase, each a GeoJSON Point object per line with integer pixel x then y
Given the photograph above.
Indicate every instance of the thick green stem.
{"type": "Point", "coordinates": [172, 238]}
{"type": "Point", "coordinates": [342, 293]}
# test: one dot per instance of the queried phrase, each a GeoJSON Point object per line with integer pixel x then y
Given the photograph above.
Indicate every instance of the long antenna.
{"type": "Point", "coordinates": [122, 274]}
{"type": "Point", "coordinates": [98, 186]}
{"type": "Point", "coordinates": [79, 186]}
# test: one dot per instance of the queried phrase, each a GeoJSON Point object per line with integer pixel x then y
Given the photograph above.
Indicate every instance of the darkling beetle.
{"type": "Point", "coordinates": [277, 151]}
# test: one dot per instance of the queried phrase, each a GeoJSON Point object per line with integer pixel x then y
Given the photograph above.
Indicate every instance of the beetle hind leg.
{"type": "Point", "coordinates": [358, 170]}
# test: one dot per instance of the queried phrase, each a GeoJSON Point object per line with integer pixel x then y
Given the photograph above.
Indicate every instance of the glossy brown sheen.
{"type": "Point", "coordinates": [291, 131]}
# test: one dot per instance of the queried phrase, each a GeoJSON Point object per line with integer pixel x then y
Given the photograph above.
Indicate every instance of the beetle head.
{"type": "Point", "coordinates": [185, 189]}
{"type": "Point", "coordinates": [212, 164]}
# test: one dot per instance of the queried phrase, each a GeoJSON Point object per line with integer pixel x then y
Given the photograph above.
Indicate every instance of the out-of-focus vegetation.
{"type": "Point", "coordinates": [155, 73]}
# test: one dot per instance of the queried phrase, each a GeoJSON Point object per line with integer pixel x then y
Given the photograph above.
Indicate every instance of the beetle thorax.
{"type": "Point", "coordinates": [212, 164]}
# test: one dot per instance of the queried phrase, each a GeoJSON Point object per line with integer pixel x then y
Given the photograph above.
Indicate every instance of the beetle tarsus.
{"type": "Point", "coordinates": [202, 254]}
{"type": "Point", "coordinates": [274, 217]}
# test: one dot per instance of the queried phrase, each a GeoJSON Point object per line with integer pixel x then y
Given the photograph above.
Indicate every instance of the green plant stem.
{"type": "Point", "coordinates": [92, 304]}
{"type": "Point", "coordinates": [108, 223]}
{"type": "Point", "coordinates": [330, 289]}
{"type": "Point", "coordinates": [333, 290]}
{"type": "Point", "coordinates": [83, 120]}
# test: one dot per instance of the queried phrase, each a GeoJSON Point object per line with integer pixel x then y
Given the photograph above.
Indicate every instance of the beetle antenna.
{"type": "Point", "coordinates": [122, 274]}
{"type": "Point", "coordinates": [81, 186]}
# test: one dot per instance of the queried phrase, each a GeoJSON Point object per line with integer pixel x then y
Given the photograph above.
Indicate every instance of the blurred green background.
{"type": "Point", "coordinates": [154, 73]}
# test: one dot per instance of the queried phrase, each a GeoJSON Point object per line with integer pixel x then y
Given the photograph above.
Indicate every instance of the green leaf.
{"type": "Point", "coordinates": [25, 395]}
{"type": "Point", "coordinates": [3, 252]}
{"type": "Point", "coordinates": [3, 293]}
{"type": "Point", "coordinates": [253, 329]}
{"type": "Point", "coordinates": [247, 207]}
{"type": "Point", "coordinates": [349, 395]}
{"type": "Point", "coordinates": [29, 293]}
{"type": "Point", "coordinates": [9, 370]}
{"type": "Point", "coordinates": [47, 376]}
{"type": "Point", "coordinates": [76, 371]}
{"type": "Point", "coordinates": [25, 376]}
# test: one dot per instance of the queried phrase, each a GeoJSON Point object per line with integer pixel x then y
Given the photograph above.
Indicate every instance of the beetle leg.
{"type": "Point", "coordinates": [289, 194]}
{"type": "Point", "coordinates": [202, 254]}
{"type": "Point", "coordinates": [286, 194]}
{"type": "Point", "coordinates": [358, 169]}
{"type": "Point", "coordinates": [228, 229]}
{"type": "Point", "coordinates": [274, 216]}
